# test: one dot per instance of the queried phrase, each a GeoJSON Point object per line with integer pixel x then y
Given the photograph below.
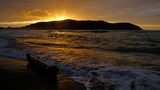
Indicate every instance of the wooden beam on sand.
{"type": "Point", "coordinates": [41, 68]}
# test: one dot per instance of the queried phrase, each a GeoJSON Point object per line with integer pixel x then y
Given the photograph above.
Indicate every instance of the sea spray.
{"type": "Point", "coordinates": [108, 77]}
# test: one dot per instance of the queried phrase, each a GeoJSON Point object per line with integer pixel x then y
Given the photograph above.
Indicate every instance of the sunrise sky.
{"type": "Point", "coordinates": [145, 13]}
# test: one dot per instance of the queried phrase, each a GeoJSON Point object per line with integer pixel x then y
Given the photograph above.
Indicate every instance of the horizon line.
{"type": "Point", "coordinates": [18, 24]}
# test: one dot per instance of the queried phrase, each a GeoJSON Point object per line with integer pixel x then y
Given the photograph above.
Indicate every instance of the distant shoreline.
{"type": "Point", "coordinates": [70, 24]}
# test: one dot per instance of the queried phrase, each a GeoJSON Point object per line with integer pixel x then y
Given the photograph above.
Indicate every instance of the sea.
{"type": "Point", "coordinates": [103, 60]}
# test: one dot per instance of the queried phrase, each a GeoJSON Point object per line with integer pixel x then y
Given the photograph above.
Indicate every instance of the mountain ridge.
{"type": "Point", "coordinates": [70, 24]}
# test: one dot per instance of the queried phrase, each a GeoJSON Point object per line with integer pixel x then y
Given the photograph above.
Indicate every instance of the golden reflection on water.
{"type": "Point", "coordinates": [78, 49]}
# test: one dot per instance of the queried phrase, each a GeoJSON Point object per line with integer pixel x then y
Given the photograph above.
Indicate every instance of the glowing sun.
{"type": "Point", "coordinates": [59, 18]}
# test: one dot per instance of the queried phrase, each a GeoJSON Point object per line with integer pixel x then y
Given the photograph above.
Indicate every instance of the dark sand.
{"type": "Point", "coordinates": [14, 75]}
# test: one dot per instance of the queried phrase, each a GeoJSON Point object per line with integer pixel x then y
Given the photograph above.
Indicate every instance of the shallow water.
{"type": "Point", "coordinates": [119, 60]}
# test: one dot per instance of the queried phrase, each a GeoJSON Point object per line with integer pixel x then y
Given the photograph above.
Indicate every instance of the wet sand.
{"type": "Point", "coordinates": [14, 75]}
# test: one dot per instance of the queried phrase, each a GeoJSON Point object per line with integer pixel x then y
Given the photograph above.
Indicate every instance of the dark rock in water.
{"type": "Point", "coordinates": [41, 68]}
{"type": "Point", "coordinates": [83, 25]}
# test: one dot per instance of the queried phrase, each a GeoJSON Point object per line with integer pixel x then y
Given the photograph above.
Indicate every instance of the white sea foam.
{"type": "Point", "coordinates": [120, 79]}
{"type": "Point", "coordinates": [3, 43]}
{"type": "Point", "coordinates": [20, 54]}
{"type": "Point", "coordinates": [106, 76]}
{"type": "Point", "coordinates": [10, 52]}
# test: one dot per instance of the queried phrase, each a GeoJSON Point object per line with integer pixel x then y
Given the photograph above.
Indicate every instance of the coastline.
{"type": "Point", "coordinates": [15, 75]}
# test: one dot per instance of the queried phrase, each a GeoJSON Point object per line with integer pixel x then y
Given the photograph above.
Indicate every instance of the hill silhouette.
{"type": "Point", "coordinates": [1, 28]}
{"type": "Point", "coordinates": [82, 25]}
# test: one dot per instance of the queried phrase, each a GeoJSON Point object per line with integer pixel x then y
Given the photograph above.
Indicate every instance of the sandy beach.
{"type": "Point", "coordinates": [14, 75]}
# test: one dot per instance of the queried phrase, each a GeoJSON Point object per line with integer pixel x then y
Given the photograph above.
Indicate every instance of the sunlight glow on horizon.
{"type": "Point", "coordinates": [64, 16]}
{"type": "Point", "coordinates": [144, 13]}
{"type": "Point", "coordinates": [60, 16]}
{"type": "Point", "coordinates": [57, 17]}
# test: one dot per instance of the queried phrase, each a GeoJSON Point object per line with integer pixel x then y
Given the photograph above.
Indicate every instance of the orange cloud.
{"type": "Point", "coordinates": [37, 14]}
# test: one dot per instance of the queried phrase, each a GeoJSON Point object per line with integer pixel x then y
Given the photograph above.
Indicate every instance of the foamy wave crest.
{"type": "Point", "coordinates": [108, 77]}
{"type": "Point", "coordinates": [118, 79]}
{"type": "Point", "coordinates": [3, 43]}
{"type": "Point", "coordinates": [14, 53]}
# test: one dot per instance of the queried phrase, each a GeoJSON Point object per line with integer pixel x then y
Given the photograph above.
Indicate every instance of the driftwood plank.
{"type": "Point", "coordinates": [41, 68]}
